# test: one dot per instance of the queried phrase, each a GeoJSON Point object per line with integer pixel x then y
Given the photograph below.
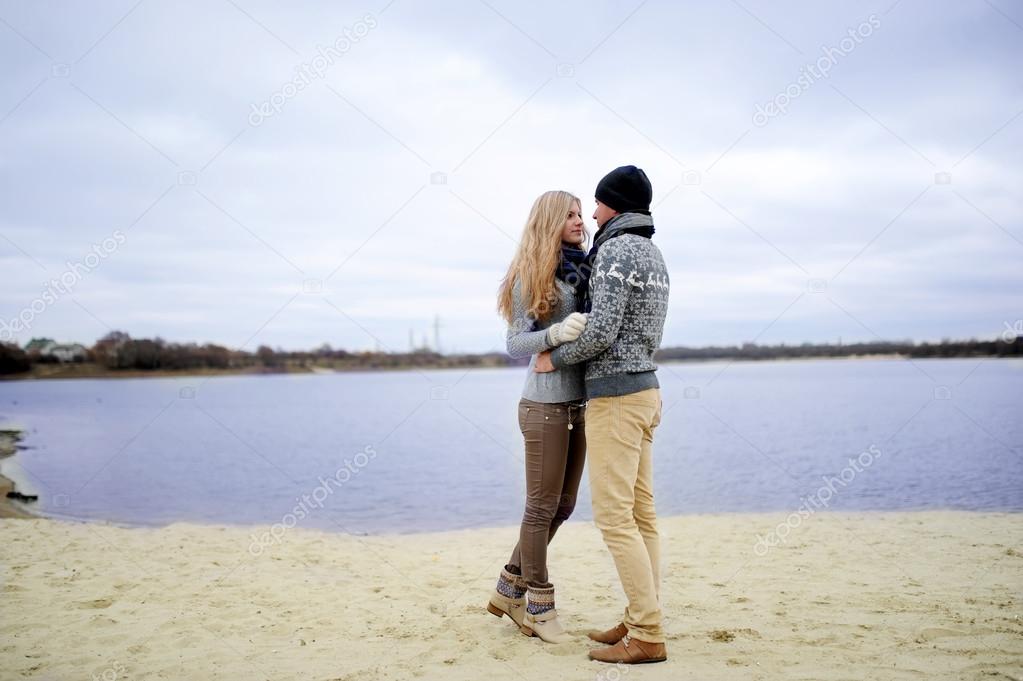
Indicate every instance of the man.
{"type": "Point", "coordinates": [627, 303]}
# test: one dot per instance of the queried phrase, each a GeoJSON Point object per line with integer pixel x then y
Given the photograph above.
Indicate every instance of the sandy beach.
{"type": "Point", "coordinates": [931, 595]}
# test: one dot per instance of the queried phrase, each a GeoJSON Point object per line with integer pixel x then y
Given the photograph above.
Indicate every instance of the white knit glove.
{"type": "Point", "coordinates": [567, 330]}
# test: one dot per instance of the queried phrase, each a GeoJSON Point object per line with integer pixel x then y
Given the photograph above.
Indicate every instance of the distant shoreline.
{"type": "Point", "coordinates": [9, 439]}
{"type": "Point", "coordinates": [88, 370]}
{"type": "Point", "coordinates": [91, 370]}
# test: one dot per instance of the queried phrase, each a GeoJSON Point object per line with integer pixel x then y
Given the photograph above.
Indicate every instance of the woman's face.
{"type": "Point", "coordinates": [572, 232]}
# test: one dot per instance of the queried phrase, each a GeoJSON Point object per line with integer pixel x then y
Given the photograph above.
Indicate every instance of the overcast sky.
{"type": "Point", "coordinates": [390, 184]}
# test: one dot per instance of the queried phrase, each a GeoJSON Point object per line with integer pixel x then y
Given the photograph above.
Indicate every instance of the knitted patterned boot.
{"type": "Point", "coordinates": [509, 598]}
{"type": "Point", "coordinates": [541, 618]}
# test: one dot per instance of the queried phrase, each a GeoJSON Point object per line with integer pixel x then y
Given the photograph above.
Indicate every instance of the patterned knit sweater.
{"type": "Point", "coordinates": [526, 337]}
{"type": "Point", "coordinates": [629, 289]}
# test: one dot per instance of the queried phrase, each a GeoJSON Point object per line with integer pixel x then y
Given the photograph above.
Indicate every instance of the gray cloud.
{"type": "Point", "coordinates": [137, 118]}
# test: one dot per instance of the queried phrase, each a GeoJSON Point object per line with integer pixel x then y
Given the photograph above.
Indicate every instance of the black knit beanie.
{"type": "Point", "coordinates": [625, 189]}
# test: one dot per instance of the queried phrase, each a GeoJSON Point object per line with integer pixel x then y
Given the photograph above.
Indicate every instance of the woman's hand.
{"type": "Point", "coordinates": [543, 363]}
{"type": "Point", "coordinates": [568, 330]}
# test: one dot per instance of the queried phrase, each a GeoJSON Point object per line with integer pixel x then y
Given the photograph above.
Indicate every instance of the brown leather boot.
{"type": "Point", "coordinates": [631, 651]}
{"type": "Point", "coordinates": [611, 636]}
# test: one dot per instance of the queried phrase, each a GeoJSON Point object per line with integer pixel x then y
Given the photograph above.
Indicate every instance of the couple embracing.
{"type": "Point", "coordinates": [591, 322]}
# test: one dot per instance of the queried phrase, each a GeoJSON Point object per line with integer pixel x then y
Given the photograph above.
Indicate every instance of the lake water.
{"type": "Point", "coordinates": [433, 450]}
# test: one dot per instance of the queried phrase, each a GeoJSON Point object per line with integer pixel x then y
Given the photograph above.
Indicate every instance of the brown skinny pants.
{"type": "Point", "coordinates": [555, 455]}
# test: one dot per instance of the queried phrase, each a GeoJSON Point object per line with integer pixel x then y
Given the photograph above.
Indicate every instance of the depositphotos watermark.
{"type": "Point", "coordinates": [1012, 331]}
{"type": "Point", "coordinates": [616, 673]}
{"type": "Point", "coordinates": [111, 673]}
{"type": "Point", "coordinates": [308, 502]}
{"type": "Point", "coordinates": [73, 273]}
{"type": "Point", "coordinates": [819, 499]}
{"type": "Point", "coordinates": [811, 73]}
{"type": "Point", "coordinates": [315, 68]}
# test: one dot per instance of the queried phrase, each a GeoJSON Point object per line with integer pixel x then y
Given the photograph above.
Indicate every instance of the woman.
{"type": "Point", "coordinates": [538, 300]}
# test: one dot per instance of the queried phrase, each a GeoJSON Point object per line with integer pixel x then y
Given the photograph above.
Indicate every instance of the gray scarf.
{"type": "Point", "coordinates": [641, 224]}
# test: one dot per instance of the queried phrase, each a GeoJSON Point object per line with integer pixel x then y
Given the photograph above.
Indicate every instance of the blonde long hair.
{"type": "Point", "coordinates": [536, 260]}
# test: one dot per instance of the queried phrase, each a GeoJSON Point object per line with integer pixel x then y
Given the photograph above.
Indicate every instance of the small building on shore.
{"type": "Point", "coordinates": [49, 349]}
{"type": "Point", "coordinates": [39, 344]}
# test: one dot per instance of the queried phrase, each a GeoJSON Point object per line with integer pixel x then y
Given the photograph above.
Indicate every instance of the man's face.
{"type": "Point", "coordinates": [602, 213]}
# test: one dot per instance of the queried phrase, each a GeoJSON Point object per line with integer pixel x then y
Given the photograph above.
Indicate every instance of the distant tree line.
{"type": "Point", "coordinates": [117, 351]}
{"type": "Point", "coordinates": [946, 348]}
{"type": "Point", "coordinates": [13, 360]}
{"type": "Point", "coordinates": [326, 357]}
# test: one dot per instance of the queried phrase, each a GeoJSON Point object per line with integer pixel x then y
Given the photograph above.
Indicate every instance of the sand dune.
{"type": "Point", "coordinates": [932, 595]}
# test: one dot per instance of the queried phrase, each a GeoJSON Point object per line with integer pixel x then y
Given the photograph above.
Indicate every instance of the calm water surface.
{"type": "Point", "coordinates": [437, 450]}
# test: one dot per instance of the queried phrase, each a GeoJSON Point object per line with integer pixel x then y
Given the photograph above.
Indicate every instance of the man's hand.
{"type": "Point", "coordinates": [568, 330]}
{"type": "Point", "coordinates": [543, 363]}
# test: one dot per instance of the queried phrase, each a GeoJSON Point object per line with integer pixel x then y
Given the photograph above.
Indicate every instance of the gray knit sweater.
{"type": "Point", "coordinates": [629, 289]}
{"type": "Point", "coordinates": [526, 336]}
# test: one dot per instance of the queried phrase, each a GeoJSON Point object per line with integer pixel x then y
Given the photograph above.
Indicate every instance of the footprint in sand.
{"type": "Point", "coordinates": [726, 636]}
{"type": "Point", "coordinates": [562, 649]}
{"type": "Point", "coordinates": [103, 621]}
{"type": "Point", "coordinates": [96, 604]}
{"type": "Point", "coordinates": [932, 633]}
